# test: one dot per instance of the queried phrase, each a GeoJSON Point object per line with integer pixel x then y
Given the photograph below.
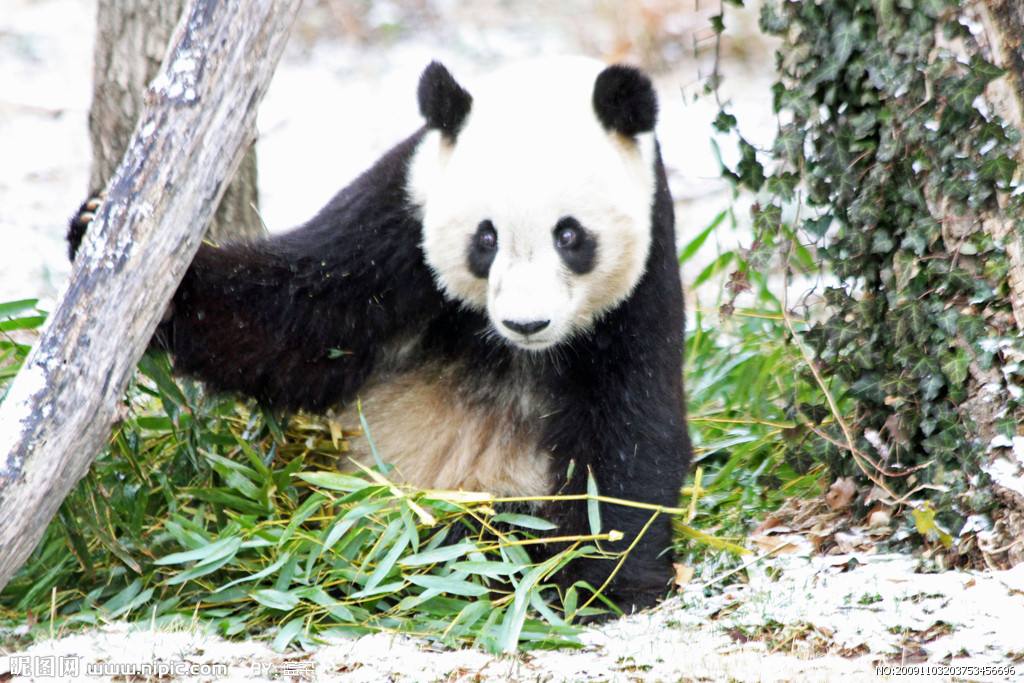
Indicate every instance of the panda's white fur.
{"type": "Point", "coordinates": [532, 134]}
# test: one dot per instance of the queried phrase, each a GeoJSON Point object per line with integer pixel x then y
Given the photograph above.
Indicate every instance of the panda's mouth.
{"type": "Point", "coordinates": [533, 344]}
{"type": "Point", "coordinates": [531, 336]}
{"type": "Point", "coordinates": [530, 343]}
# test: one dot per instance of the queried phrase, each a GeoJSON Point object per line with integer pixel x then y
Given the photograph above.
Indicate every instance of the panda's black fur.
{"type": "Point", "coordinates": [302, 320]}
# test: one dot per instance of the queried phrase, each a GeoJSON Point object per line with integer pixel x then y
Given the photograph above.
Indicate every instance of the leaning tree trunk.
{"type": "Point", "coordinates": [196, 124]}
{"type": "Point", "coordinates": [131, 37]}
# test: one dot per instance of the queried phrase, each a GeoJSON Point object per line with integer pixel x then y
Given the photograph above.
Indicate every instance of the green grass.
{"type": "Point", "coordinates": [206, 510]}
{"type": "Point", "coordinates": [750, 394]}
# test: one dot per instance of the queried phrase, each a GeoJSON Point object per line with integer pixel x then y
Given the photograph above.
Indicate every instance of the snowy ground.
{"type": "Point", "coordinates": [798, 618]}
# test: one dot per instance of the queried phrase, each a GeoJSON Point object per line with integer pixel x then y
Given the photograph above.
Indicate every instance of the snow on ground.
{"type": "Point", "coordinates": [797, 618]}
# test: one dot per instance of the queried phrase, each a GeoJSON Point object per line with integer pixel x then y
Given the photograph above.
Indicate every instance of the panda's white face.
{"type": "Point", "coordinates": [536, 213]}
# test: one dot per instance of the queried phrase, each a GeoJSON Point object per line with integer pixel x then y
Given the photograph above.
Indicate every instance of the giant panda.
{"type": "Point", "coordinates": [501, 292]}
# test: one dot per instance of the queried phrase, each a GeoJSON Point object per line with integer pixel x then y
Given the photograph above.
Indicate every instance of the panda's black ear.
{"type": "Point", "coordinates": [624, 100]}
{"type": "Point", "coordinates": [443, 102]}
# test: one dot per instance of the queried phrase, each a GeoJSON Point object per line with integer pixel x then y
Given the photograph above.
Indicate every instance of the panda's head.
{"type": "Point", "coordinates": [536, 187]}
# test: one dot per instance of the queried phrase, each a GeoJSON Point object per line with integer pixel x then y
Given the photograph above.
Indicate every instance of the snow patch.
{"type": "Point", "coordinates": [1000, 441]}
{"type": "Point", "coordinates": [184, 64]}
{"type": "Point", "coordinates": [844, 605]}
{"type": "Point", "coordinates": [178, 80]}
{"type": "Point", "coordinates": [877, 604]}
{"type": "Point", "coordinates": [1007, 474]}
{"type": "Point", "coordinates": [1006, 471]}
{"type": "Point", "coordinates": [15, 419]}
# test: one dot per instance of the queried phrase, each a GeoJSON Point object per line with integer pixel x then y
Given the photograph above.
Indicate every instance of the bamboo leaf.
{"type": "Point", "coordinates": [287, 634]}
{"type": "Point", "coordinates": [439, 555]}
{"type": "Point", "coordinates": [275, 599]}
{"type": "Point", "coordinates": [512, 624]}
{"type": "Point", "coordinates": [525, 521]}
{"type": "Point", "coordinates": [448, 584]}
{"type": "Point", "coordinates": [486, 568]}
{"type": "Point", "coordinates": [334, 481]}
{"type": "Point", "coordinates": [208, 553]}
{"type": "Point", "coordinates": [305, 511]}
{"type": "Point", "coordinates": [387, 564]}
{"type": "Point", "coordinates": [198, 570]}
{"type": "Point", "coordinates": [9, 309]}
{"type": "Point", "coordinates": [263, 573]}
{"type": "Point", "coordinates": [593, 507]}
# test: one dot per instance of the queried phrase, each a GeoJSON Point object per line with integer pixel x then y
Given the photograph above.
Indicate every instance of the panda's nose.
{"type": "Point", "coordinates": [525, 328]}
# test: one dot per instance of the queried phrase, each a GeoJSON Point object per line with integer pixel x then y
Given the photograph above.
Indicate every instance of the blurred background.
{"type": "Point", "coordinates": [345, 92]}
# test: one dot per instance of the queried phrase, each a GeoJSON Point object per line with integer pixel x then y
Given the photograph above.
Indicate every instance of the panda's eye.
{"type": "Point", "coordinates": [569, 233]}
{"type": "Point", "coordinates": [486, 237]}
{"type": "Point", "coordinates": [567, 238]}
{"type": "Point", "coordinates": [575, 245]}
{"type": "Point", "coordinates": [483, 246]}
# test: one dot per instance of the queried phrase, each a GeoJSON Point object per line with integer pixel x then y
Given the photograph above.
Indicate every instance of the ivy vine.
{"type": "Point", "coordinates": [888, 147]}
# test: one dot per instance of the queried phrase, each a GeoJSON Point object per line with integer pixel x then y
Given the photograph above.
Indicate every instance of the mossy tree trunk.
{"type": "Point", "coordinates": [131, 39]}
{"type": "Point", "coordinates": [1003, 38]}
{"type": "Point", "coordinates": [1002, 41]}
{"type": "Point", "coordinates": [989, 404]}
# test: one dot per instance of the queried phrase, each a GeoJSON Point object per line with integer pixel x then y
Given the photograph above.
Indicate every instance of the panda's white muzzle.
{"type": "Point", "coordinates": [529, 303]}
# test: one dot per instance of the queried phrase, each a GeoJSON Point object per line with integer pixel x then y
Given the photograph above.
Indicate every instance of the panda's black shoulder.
{"type": "Point", "coordinates": [381, 191]}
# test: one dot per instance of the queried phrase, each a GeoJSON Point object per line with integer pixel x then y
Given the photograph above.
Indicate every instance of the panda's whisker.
{"type": "Point", "coordinates": [557, 356]}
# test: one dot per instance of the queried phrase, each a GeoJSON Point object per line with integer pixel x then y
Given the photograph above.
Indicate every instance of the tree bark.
{"type": "Point", "coordinates": [131, 37]}
{"type": "Point", "coordinates": [197, 122]}
{"type": "Point", "coordinates": [1003, 23]}
{"type": "Point", "coordinates": [1002, 40]}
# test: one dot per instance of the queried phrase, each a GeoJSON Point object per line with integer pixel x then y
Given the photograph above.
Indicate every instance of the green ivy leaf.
{"type": "Point", "coordinates": [845, 38]}
{"type": "Point", "coordinates": [999, 169]}
{"type": "Point", "coordinates": [724, 122]}
{"type": "Point", "coordinates": [955, 366]}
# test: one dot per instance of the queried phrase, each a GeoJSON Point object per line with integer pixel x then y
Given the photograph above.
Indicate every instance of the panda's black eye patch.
{"type": "Point", "coordinates": [575, 245]}
{"type": "Point", "coordinates": [483, 246]}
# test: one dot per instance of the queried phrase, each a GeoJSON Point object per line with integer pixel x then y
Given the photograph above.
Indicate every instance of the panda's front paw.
{"type": "Point", "coordinates": [629, 602]}
{"type": "Point", "coordinates": [632, 601]}
{"type": "Point", "coordinates": [80, 223]}
{"type": "Point", "coordinates": [630, 593]}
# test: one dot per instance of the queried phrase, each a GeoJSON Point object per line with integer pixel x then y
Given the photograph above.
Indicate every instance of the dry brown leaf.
{"type": "Point", "coordinates": [817, 540]}
{"type": "Point", "coordinates": [877, 494]}
{"type": "Point", "coordinates": [782, 543]}
{"type": "Point", "coordinates": [684, 574]}
{"type": "Point", "coordinates": [770, 522]}
{"type": "Point", "coordinates": [336, 432]}
{"type": "Point", "coordinates": [880, 516]}
{"type": "Point", "coordinates": [840, 493]}
{"type": "Point", "coordinates": [852, 541]}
